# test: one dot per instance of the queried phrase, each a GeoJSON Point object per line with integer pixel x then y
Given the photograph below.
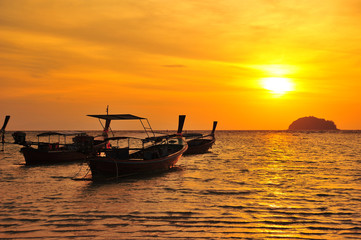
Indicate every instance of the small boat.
{"type": "Point", "coordinates": [154, 154]}
{"type": "Point", "coordinates": [52, 151]}
{"type": "Point", "coordinates": [199, 143]}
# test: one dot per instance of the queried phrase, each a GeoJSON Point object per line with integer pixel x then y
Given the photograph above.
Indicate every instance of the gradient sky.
{"type": "Point", "coordinates": [62, 59]}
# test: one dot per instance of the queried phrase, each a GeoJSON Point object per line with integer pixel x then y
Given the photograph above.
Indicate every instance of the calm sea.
{"type": "Point", "coordinates": [251, 185]}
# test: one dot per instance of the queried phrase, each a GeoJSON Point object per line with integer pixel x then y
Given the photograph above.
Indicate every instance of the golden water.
{"type": "Point", "coordinates": [252, 185]}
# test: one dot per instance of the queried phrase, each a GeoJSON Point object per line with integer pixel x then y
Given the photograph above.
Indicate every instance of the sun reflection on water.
{"type": "Point", "coordinates": [251, 185]}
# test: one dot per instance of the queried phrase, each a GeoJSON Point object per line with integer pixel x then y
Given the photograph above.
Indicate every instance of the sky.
{"type": "Point", "coordinates": [249, 64]}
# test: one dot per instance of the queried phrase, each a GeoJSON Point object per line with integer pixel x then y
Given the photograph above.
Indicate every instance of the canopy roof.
{"type": "Point", "coordinates": [51, 133]}
{"type": "Point", "coordinates": [116, 117]}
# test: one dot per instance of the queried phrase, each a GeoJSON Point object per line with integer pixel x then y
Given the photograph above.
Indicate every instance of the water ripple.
{"type": "Point", "coordinates": [252, 185]}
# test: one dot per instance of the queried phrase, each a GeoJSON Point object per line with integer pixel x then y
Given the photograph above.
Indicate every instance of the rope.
{"type": "Point", "coordinates": [83, 178]}
{"type": "Point", "coordinates": [81, 166]}
{"type": "Point", "coordinates": [101, 123]}
{"type": "Point", "coordinates": [116, 166]}
{"type": "Point", "coordinates": [111, 130]}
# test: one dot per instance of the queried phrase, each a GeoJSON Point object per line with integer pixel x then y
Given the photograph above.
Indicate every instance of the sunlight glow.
{"type": "Point", "coordinates": [277, 85]}
{"type": "Point", "coordinates": [277, 70]}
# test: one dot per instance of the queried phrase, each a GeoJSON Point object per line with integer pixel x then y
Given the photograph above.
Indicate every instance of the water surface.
{"type": "Point", "coordinates": [251, 185]}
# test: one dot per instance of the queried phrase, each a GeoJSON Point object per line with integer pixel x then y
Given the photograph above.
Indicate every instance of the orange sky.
{"type": "Point", "coordinates": [61, 60]}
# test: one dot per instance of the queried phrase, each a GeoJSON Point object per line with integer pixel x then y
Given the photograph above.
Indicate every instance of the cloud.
{"type": "Point", "coordinates": [114, 49]}
{"type": "Point", "coordinates": [174, 66]}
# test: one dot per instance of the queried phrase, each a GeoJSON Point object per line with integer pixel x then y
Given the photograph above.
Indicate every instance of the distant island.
{"type": "Point", "coordinates": [312, 123]}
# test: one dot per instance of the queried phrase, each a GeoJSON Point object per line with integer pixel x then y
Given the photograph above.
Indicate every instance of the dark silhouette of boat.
{"type": "Point", "coordinates": [153, 154]}
{"type": "Point", "coordinates": [199, 143]}
{"type": "Point", "coordinates": [52, 151]}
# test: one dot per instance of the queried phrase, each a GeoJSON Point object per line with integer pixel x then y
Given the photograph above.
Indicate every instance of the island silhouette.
{"type": "Point", "coordinates": [312, 123]}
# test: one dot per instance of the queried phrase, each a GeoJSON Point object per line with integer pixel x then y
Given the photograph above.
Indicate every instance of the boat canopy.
{"type": "Point", "coordinates": [116, 117]}
{"type": "Point", "coordinates": [51, 133]}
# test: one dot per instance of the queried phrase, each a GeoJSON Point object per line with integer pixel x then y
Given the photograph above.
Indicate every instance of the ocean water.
{"type": "Point", "coordinates": [251, 185]}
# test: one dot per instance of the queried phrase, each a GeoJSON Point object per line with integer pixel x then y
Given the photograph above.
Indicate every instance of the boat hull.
{"type": "Point", "coordinates": [199, 146]}
{"type": "Point", "coordinates": [108, 167]}
{"type": "Point", "coordinates": [35, 156]}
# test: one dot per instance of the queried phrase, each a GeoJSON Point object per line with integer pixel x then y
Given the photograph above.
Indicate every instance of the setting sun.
{"type": "Point", "coordinates": [277, 85]}
{"type": "Point", "coordinates": [281, 79]}
{"type": "Point", "coordinates": [54, 70]}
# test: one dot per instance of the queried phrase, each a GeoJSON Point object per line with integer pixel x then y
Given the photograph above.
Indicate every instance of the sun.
{"type": "Point", "coordinates": [277, 85]}
{"type": "Point", "coordinates": [276, 78]}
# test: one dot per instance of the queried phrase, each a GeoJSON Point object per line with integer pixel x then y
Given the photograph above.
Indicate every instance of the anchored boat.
{"type": "Point", "coordinates": [199, 143]}
{"type": "Point", "coordinates": [55, 149]}
{"type": "Point", "coordinates": [155, 153]}
{"type": "Point", "coordinates": [52, 147]}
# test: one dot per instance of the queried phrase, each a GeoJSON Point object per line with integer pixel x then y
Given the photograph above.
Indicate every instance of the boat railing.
{"type": "Point", "coordinates": [190, 137]}
{"type": "Point", "coordinates": [144, 142]}
{"type": "Point", "coordinates": [149, 148]}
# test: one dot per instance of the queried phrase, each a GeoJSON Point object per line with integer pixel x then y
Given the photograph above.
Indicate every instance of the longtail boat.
{"type": "Point", "coordinates": [199, 143]}
{"type": "Point", "coordinates": [154, 154]}
{"type": "Point", "coordinates": [54, 150]}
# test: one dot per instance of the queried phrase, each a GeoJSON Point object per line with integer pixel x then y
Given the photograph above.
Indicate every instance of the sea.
{"type": "Point", "coordinates": [250, 185]}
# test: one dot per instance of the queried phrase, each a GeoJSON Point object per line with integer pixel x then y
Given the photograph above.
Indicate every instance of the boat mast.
{"type": "Point", "coordinates": [107, 124]}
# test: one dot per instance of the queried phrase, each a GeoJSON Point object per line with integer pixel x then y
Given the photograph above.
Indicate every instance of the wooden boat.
{"type": "Point", "coordinates": [199, 143]}
{"type": "Point", "coordinates": [50, 152]}
{"type": "Point", "coordinates": [156, 154]}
